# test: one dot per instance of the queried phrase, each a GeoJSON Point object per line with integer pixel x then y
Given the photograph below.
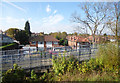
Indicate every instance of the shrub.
{"type": "Point", "coordinates": [106, 60]}
{"type": "Point", "coordinates": [63, 64]}
{"type": "Point", "coordinates": [14, 75]}
{"type": "Point", "coordinates": [33, 75]}
{"type": "Point", "coordinates": [107, 57]}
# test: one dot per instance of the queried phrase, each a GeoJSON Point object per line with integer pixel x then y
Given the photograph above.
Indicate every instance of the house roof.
{"type": "Point", "coordinates": [77, 39]}
{"type": "Point", "coordinates": [48, 38]}
{"type": "Point", "coordinates": [36, 38]}
{"type": "Point", "coordinates": [2, 35]}
{"type": "Point", "coordinates": [82, 40]}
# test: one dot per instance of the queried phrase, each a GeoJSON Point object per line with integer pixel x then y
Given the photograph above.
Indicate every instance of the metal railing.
{"type": "Point", "coordinates": [41, 59]}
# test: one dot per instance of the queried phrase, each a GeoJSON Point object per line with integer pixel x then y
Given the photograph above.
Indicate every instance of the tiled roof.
{"type": "Point", "coordinates": [46, 38]}
{"type": "Point", "coordinates": [81, 39]}
{"type": "Point", "coordinates": [77, 39]}
{"type": "Point", "coordinates": [36, 38]}
{"type": "Point", "coordinates": [49, 38]}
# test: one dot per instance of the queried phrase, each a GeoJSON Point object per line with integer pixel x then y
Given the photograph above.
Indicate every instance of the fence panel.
{"type": "Point", "coordinates": [28, 60]}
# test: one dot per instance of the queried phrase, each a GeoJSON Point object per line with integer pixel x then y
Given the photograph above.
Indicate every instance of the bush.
{"type": "Point", "coordinates": [14, 75]}
{"type": "Point", "coordinates": [107, 57]}
{"type": "Point", "coordinates": [63, 64]}
{"type": "Point", "coordinates": [33, 75]}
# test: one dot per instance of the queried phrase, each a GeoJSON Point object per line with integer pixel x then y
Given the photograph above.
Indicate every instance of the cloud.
{"type": "Point", "coordinates": [52, 20]}
{"type": "Point", "coordinates": [14, 5]}
{"type": "Point", "coordinates": [48, 9]}
{"type": "Point", "coordinates": [48, 24]}
{"type": "Point", "coordinates": [55, 12]}
{"type": "Point", "coordinates": [10, 22]}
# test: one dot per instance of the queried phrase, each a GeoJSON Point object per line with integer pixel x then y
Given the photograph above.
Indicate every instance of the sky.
{"type": "Point", "coordinates": [43, 16]}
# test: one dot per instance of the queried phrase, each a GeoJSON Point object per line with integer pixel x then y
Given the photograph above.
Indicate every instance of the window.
{"type": "Point", "coordinates": [40, 42]}
{"type": "Point", "coordinates": [55, 42]}
{"type": "Point", "coordinates": [33, 42]}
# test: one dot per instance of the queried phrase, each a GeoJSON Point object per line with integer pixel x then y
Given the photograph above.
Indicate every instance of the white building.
{"type": "Point", "coordinates": [44, 42]}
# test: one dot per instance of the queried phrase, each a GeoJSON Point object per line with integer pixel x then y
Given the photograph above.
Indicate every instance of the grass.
{"type": "Point", "coordinates": [90, 76]}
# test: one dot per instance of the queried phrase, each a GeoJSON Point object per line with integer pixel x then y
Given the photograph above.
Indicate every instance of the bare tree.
{"type": "Point", "coordinates": [113, 19]}
{"type": "Point", "coordinates": [94, 17]}
{"type": "Point", "coordinates": [80, 30]}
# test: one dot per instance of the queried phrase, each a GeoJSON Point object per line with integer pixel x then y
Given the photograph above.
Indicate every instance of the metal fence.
{"type": "Point", "coordinates": [42, 60]}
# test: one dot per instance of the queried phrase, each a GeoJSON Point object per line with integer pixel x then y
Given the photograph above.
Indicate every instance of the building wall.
{"type": "Point", "coordinates": [48, 44]}
{"type": "Point", "coordinates": [72, 43]}
{"type": "Point", "coordinates": [33, 44]}
{"type": "Point", "coordinates": [40, 44]}
{"type": "Point", "coordinates": [43, 44]}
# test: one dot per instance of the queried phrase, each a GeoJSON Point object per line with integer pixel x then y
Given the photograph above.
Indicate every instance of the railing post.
{"type": "Point", "coordinates": [79, 51]}
{"type": "Point", "coordinates": [30, 59]}
{"type": "Point", "coordinates": [12, 60]}
{"type": "Point", "coordinates": [18, 51]}
{"type": "Point", "coordinates": [1, 66]}
{"type": "Point", "coordinates": [90, 52]}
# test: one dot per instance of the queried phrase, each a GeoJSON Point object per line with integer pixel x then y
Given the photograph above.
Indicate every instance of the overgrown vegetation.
{"type": "Point", "coordinates": [14, 75]}
{"type": "Point", "coordinates": [61, 36]}
{"type": "Point", "coordinates": [104, 67]}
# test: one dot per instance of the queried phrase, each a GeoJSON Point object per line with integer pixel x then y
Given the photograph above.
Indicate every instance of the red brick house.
{"type": "Point", "coordinates": [74, 41]}
{"type": "Point", "coordinates": [98, 39]}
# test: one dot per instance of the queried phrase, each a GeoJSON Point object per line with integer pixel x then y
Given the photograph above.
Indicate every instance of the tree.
{"type": "Point", "coordinates": [59, 35]}
{"type": "Point", "coordinates": [55, 35]}
{"type": "Point", "coordinates": [11, 32]}
{"type": "Point", "coordinates": [75, 33]}
{"type": "Point", "coordinates": [65, 42]}
{"type": "Point", "coordinates": [22, 37]}
{"type": "Point", "coordinates": [94, 17]}
{"type": "Point", "coordinates": [80, 29]}
{"type": "Point", "coordinates": [113, 19]}
{"type": "Point", "coordinates": [105, 34]}
{"type": "Point", "coordinates": [27, 28]}
{"type": "Point", "coordinates": [63, 35]}
{"type": "Point", "coordinates": [61, 41]}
